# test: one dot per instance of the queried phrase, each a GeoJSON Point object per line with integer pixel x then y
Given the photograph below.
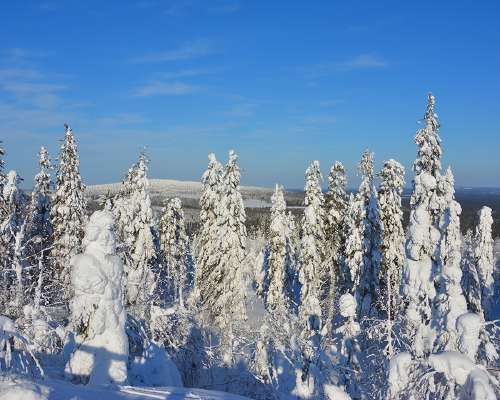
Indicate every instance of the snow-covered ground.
{"type": "Point", "coordinates": [61, 390]}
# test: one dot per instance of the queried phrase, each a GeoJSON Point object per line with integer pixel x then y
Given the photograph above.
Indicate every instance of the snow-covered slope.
{"type": "Point", "coordinates": [170, 188]}
{"type": "Point", "coordinates": [61, 390]}
{"type": "Point", "coordinates": [254, 197]}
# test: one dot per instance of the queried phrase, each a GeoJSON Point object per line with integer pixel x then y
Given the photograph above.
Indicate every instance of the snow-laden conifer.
{"type": "Point", "coordinates": [207, 275]}
{"type": "Point", "coordinates": [367, 290]}
{"type": "Point", "coordinates": [336, 201]}
{"type": "Point", "coordinates": [450, 302]}
{"type": "Point", "coordinates": [471, 284]}
{"type": "Point", "coordinates": [392, 243]}
{"type": "Point", "coordinates": [353, 252]}
{"type": "Point", "coordinates": [281, 256]}
{"type": "Point", "coordinates": [311, 273]}
{"type": "Point", "coordinates": [423, 234]}
{"type": "Point", "coordinates": [67, 212]}
{"type": "Point", "coordinates": [135, 226]}
{"type": "Point", "coordinates": [483, 254]}
{"type": "Point", "coordinates": [39, 234]}
{"type": "Point", "coordinates": [97, 310]}
{"type": "Point", "coordinates": [229, 302]}
{"type": "Point", "coordinates": [13, 231]}
{"type": "Point", "coordinates": [174, 245]}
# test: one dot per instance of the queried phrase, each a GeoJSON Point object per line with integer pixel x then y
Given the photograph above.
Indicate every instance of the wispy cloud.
{"type": "Point", "coordinates": [363, 61]}
{"type": "Point", "coordinates": [185, 73]}
{"type": "Point", "coordinates": [159, 88]}
{"type": "Point", "coordinates": [359, 62]}
{"type": "Point", "coordinates": [187, 51]}
{"type": "Point", "coordinates": [121, 119]}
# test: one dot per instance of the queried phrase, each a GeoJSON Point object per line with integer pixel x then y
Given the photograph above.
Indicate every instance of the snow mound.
{"type": "Point", "coordinates": [60, 390]}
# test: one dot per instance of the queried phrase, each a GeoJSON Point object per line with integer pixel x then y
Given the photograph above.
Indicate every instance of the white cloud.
{"type": "Point", "coordinates": [187, 51]}
{"type": "Point", "coordinates": [159, 88]}
{"type": "Point", "coordinates": [359, 62]}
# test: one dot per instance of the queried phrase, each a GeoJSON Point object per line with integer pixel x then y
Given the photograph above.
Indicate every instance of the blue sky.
{"type": "Point", "coordinates": [281, 82]}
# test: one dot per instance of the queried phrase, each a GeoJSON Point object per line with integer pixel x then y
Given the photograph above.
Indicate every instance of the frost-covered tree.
{"type": "Point", "coordinates": [67, 212]}
{"type": "Point", "coordinates": [349, 349]}
{"type": "Point", "coordinates": [97, 310]}
{"type": "Point", "coordinates": [229, 302]}
{"type": "Point", "coordinates": [450, 302]}
{"type": "Point", "coordinates": [311, 273]}
{"type": "Point", "coordinates": [134, 217]}
{"type": "Point", "coordinates": [174, 245]}
{"type": "Point", "coordinates": [336, 202]}
{"type": "Point", "coordinates": [423, 234]}
{"type": "Point", "coordinates": [39, 235]}
{"type": "Point", "coordinates": [484, 259]}
{"type": "Point", "coordinates": [471, 284]}
{"type": "Point", "coordinates": [207, 256]}
{"type": "Point", "coordinates": [367, 289]}
{"type": "Point", "coordinates": [281, 256]}
{"type": "Point", "coordinates": [353, 252]}
{"type": "Point", "coordinates": [13, 230]}
{"type": "Point", "coordinates": [392, 243]}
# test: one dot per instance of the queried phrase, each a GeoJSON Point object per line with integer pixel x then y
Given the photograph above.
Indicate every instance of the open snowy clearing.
{"type": "Point", "coordinates": [60, 390]}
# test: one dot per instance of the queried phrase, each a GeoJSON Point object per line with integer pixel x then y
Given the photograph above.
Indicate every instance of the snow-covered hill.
{"type": "Point", "coordinates": [61, 390]}
{"type": "Point", "coordinates": [254, 196]}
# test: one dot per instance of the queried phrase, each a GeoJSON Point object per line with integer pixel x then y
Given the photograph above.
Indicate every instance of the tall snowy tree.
{"type": "Point", "coordinates": [135, 226]}
{"type": "Point", "coordinates": [68, 212]}
{"type": "Point", "coordinates": [336, 202]}
{"type": "Point", "coordinates": [13, 229]}
{"type": "Point", "coordinates": [471, 284]}
{"type": "Point", "coordinates": [484, 259]}
{"type": "Point", "coordinates": [392, 243]}
{"type": "Point", "coordinates": [174, 245]}
{"type": "Point", "coordinates": [352, 259]}
{"type": "Point", "coordinates": [450, 302]}
{"type": "Point", "coordinates": [207, 256]}
{"type": "Point", "coordinates": [39, 234]}
{"type": "Point", "coordinates": [229, 303]}
{"type": "Point", "coordinates": [311, 274]}
{"type": "Point", "coordinates": [423, 234]}
{"type": "Point", "coordinates": [367, 290]}
{"type": "Point", "coordinates": [281, 256]}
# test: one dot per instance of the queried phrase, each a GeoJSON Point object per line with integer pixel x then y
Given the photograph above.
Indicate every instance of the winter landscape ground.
{"type": "Point", "coordinates": [340, 299]}
{"type": "Point", "coordinates": [249, 199]}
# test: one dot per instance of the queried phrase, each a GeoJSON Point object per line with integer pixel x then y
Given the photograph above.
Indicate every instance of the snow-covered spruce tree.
{"type": "Point", "coordinates": [311, 272]}
{"type": "Point", "coordinates": [67, 213]}
{"type": "Point", "coordinates": [471, 284]}
{"type": "Point", "coordinates": [174, 245]}
{"type": "Point", "coordinates": [135, 226]}
{"type": "Point", "coordinates": [97, 310]}
{"type": "Point", "coordinates": [229, 296]}
{"type": "Point", "coordinates": [350, 351]}
{"type": "Point", "coordinates": [39, 235]}
{"type": "Point", "coordinates": [336, 202]}
{"type": "Point", "coordinates": [484, 259]}
{"type": "Point", "coordinates": [450, 302]}
{"type": "Point", "coordinates": [352, 259]}
{"type": "Point", "coordinates": [13, 229]}
{"type": "Point", "coordinates": [423, 235]}
{"type": "Point", "coordinates": [281, 256]}
{"type": "Point", "coordinates": [207, 255]}
{"type": "Point", "coordinates": [392, 244]}
{"type": "Point", "coordinates": [367, 291]}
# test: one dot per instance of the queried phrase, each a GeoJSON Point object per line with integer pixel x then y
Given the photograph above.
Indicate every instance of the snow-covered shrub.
{"type": "Point", "coordinates": [177, 331]}
{"type": "Point", "coordinates": [16, 355]}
